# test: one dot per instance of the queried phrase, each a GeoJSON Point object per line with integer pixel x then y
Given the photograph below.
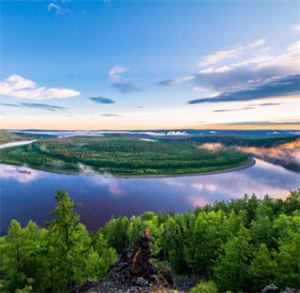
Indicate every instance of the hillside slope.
{"type": "Point", "coordinates": [6, 136]}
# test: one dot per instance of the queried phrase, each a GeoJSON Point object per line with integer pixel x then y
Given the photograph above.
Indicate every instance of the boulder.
{"type": "Point", "coordinates": [141, 281]}
{"type": "Point", "coordinates": [270, 288]}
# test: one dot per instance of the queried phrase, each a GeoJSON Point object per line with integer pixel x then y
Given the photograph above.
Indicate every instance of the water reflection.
{"type": "Point", "coordinates": [25, 197]}
{"type": "Point", "coordinates": [21, 174]}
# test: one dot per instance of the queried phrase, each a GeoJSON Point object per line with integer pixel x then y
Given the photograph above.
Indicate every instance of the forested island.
{"type": "Point", "coordinates": [236, 245]}
{"type": "Point", "coordinates": [122, 156]}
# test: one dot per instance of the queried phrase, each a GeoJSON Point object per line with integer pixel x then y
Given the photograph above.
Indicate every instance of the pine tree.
{"type": "Point", "coordinates": [62, 242]}
{"type": "Point", "coordinates": [262, 268]}
{"type": "Point", "coordinates": [231, 268]}
{"type": "Point", "coordinates": [288, 259]}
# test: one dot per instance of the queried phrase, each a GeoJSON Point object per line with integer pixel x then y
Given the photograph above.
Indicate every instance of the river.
{"type": "Point", "coordinates": [30, 195]}
{"type": "Point", "coordinates": [13, 144]}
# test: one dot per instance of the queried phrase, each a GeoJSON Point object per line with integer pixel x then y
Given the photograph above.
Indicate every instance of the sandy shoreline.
{"type": "Point", "coordinates": [249, 164]}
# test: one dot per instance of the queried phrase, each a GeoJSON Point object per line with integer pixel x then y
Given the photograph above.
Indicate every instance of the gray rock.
{"type": "Point", "coordinates": [270, 288]}
{"type": "Point", "coordinates": [291, 290]}
{"type": "Point", "coordinates": [155, 279]}
{"type": "Point", "coordinates": [141, 281]}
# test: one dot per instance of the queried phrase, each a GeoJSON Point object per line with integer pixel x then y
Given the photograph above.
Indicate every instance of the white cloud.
{"type": "Point", "coordinates": [223, 69]}
{"type": "Point", "coordinates": [217, 70]}
{"type": "Point", "coordinates": [117, 69]}
{"type": "Point", "coordinates": [294, 47]}
{"type": "Point", "coordinates": [259, 59]}
{"type": "Point", "coordinates": [181, 79]}
{"type": "Point", "coordinates": [232, 53]}
{"type": "Point", "coordinates": [295, 29]}
{"type": "Point", "coordinates": [250, 72]}
{"type": "Point", "coordinates": [199, 89]}
{"type": "Point", "coordinates": [18, 87]}
{"type": "Point", "coordinates": [288, 60]}
{"type": "Point", "coordinates": [52, 5]}
{"type": "Point", "coordinates": [170, 82]}
{"type": "Point", "coordinates": [207, 71]}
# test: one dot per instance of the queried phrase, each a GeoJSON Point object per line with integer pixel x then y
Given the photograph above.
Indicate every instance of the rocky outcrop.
{"type": "Point", "coordinates": [291, 290]}
{"type": "Point", "coordinates": [273, 288]}
{"type": "Point", "coordinates": [270, 288]}
{"type": "Point", "coordinates": [135, 267]}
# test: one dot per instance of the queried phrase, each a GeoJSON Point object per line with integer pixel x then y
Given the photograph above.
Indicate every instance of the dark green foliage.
{"type": "Point", "coordinates": [53, 260]}
{"type": "Point", "coordinates": [238, 245]}
{"type": "Point", "coordinates": [262, 268]}
{"type": "Point", "coordinates": [232, 266]}
{"type": "Point", "coordinates": [121, 156]}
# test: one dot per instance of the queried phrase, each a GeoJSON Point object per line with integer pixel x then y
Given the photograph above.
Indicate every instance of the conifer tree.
{"type": "Point", "coordinates": [262, 268]}
{"type": "Point", "coordinates": [63, 235]}
{"type": "Point", "coordinates": [231, 268]}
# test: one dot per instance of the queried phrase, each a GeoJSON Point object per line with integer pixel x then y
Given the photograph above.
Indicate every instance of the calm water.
{"type": "Point", "coordinates": [25, 197]}
{"type": "Point", "coordinates": [12, 144]}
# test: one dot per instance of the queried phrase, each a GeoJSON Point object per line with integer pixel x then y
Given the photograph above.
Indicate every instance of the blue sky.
{"type": "Point", "coordinates": [149, 64]}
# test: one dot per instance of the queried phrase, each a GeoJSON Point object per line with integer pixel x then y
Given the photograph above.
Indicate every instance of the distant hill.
{"type": "Point", "coordinates": [6, 136]}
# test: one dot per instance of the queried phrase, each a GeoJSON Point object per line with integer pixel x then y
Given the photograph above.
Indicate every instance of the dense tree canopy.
{"type": "Point", "coordinates": [230, 140]}
{"type": "Point", "coordinates": [240, 245]}
{"type": "Point", "coordinates": [121, 156]}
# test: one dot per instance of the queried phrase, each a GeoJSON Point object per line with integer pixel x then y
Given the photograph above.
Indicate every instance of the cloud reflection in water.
{"type": "Point", "coordinates": [17, 173]}
{"type": "Point", "coordinates": [25, 197]}
{"type": "Point", "coordinates": [262, 179]}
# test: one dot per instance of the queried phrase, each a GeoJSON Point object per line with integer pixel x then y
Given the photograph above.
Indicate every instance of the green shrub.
{"type": "Point", "coordinates": [160, 264]}
{"type": "Point", "coordinates": [151, 171]}
{"type": "Point", "coordinates": [205, 287]}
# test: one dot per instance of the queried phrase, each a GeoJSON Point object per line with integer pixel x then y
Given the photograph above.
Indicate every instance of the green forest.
{"type": "Point", "coordinates": [231, 141]}
{"type": "Point", "coordinates": [9, 137]}
{"type": "Point", "coordinates": [239, 245]}
{"type": "Point", "coordinates": [6, 137]}
{"type": "Point", "coordinates": [121, 156]}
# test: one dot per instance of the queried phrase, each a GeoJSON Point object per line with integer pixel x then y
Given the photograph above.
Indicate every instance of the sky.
{"type": "Point", "coordinates": [120, 65]}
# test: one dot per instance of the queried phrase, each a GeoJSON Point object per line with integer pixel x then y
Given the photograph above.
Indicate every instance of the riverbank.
{"type": "Point", "coordinates": [249, 164]}
{"type": "Point", "coordinates": [123, 158]}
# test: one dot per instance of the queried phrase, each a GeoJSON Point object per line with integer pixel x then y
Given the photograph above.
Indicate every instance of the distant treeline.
{"type": "Point", "coordinates": [236, 140]}
{"type": "Point", "coordinates": [241, 245]}
{"type": "Point", "coordinates": [121, 156]}
{"type": "Point", "coordinates": [6, 136]}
